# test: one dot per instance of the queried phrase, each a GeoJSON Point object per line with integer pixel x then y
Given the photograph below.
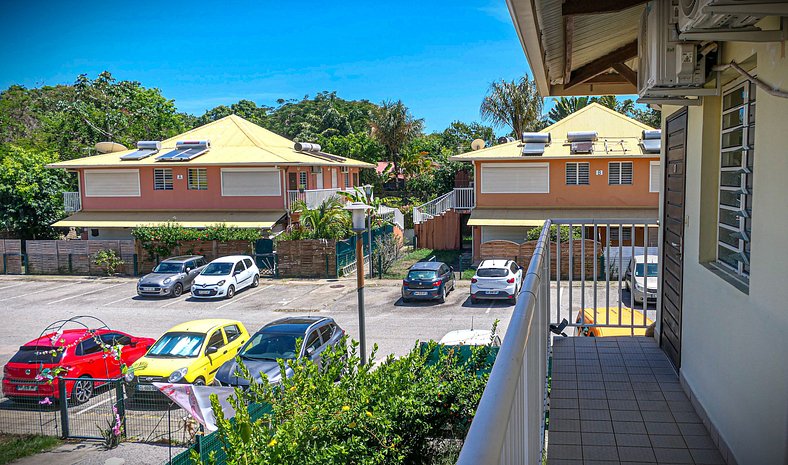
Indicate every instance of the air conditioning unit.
{"type": "Point", "coordinates": [715, 16]}
{"type": "Point", "coordinates": [316, 169]}
{"type": "Point", "coordinates": [668, 66]}
{"type": "Point", "coordinates": [345, 169]}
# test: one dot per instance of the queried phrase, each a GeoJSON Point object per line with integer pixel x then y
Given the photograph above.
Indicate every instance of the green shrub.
{"type": "Point", "coordinates": [533, 233]}
{"type": "Point", "coordinates": [161, 240]}
{"type": "Point", "coordinates": [108, 260]}
{"type": "Point", "coordinates": [404, 411]}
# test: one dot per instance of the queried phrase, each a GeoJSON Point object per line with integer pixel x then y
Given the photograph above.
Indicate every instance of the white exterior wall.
{"type": "Point", "coordinates": [734, 355]}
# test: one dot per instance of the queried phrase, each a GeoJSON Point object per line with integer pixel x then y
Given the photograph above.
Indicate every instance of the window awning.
{"type": "Point", "coordinates": [537, 216]}
{"type": "Point", "coordinates": [191, 219]}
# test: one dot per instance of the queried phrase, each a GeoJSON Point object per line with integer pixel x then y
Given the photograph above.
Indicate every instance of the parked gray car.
{"type": "Point", "coordinates": [171, 276]}
{"type": "Point", "coordinates": [277, 340]}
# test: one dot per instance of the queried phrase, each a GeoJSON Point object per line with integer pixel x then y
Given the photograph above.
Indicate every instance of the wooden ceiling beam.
{"type": "Point", "coordinates": [569, 31]}
{"type": "Point", "coordinates": [610, 78]}
{"type": "Point", "coordinates": [627, 73]}
{"type": "Point", "coordinates": [587, 7]}
{"type": "Point", "coordinates": [603, 63]}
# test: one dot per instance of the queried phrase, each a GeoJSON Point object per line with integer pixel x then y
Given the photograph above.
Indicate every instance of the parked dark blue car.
{"type": "Point", "coordinates": [428, 281]}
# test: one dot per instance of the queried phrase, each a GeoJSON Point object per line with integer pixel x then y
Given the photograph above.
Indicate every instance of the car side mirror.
{"type": "Point", "coordinates": [310, 351]}
{"type": "Point", "coordinates": [188, 270]}
{"type": "Point", "coordinates": [133, 343]}
{"type": "Point", "coordinates": [211, 350]}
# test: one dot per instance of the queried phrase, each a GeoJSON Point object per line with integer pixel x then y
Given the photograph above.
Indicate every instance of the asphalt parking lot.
{"type": "Point", "coordinates": [30, 304]}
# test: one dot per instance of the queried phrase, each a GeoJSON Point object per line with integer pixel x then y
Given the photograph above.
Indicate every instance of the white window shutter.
{"type": "Point", "coordinates": [112, 183]}
{"type": "Point", "coordinates": [515, 178]}
{"type": "Point", "coordinates": [240, 182]}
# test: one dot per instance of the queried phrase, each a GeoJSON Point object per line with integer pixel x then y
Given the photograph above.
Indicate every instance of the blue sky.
{"type": "Point", "coordinates": [438, 57]}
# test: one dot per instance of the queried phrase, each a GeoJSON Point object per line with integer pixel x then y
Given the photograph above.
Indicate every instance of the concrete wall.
{"type": "Point", "coordinates": [734, 344]}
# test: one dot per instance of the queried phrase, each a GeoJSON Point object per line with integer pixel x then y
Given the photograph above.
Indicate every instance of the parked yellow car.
{"type": "Point", "coordinates": [601, 319]}
{"type": "Point", "coordinates": [190, 352]}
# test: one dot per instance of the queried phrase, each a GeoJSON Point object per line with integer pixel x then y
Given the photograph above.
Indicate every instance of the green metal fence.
{"type": "Point", "coordinates": [346, 249]}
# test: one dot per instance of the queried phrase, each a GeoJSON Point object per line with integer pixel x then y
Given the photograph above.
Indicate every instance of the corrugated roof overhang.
{"type": "Point", "coordinates": [537, 217]}
{"type": "Point", "coordinates": [192, 219]}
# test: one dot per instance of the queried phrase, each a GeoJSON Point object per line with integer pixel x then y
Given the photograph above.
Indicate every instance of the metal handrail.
{"type": "Point", "coordinates": [433, 208]}
{"type": "Point", "coordinates": [508, 427]}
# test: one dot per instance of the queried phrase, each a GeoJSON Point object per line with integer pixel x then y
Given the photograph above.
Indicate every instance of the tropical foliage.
{"type": "Point", "coordinates": [394, 126]}
{"type": "Point", "coordinates": [516, 104]}
{"type": "Point", "coordinates": [407, 410]}
{"type": "Point", "coordinates": [329, 220]}
{"type": "Point", "coordinates": [161, 240]}
{"type": "Point", "coordinates": [565, 106]}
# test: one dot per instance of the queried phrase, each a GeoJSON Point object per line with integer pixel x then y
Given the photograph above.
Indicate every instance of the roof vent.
{"type": "Point", "coordinates": [534, 143]}
{"type": "Point", "coordinates": [307, 147]}
{"type": "Point", "coordinates": [505, 139]}
{"type": "Point", "coordinates": [652, 140]}
{"type": "Point", "coordinates": [145, 148]}
{"type": "Point", "coordinates": [582, 141]}
{"type": "Point", "coordinates": [186, 150]}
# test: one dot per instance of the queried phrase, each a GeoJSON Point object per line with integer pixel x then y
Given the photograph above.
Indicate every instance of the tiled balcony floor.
{"type": "Point", "coordinates": [617, 400]}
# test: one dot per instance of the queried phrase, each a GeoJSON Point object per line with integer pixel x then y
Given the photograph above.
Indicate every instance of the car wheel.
{"type": "Point", "coordinates": [177, 290]}
{"type": "Point", "coordinates": [256, 281]}
{"type": "Point", "coordinates": [442, 298]}
{"type": "Point", "coordinates": [82, 391]}
{"type": "Point", "coordinates": [199, 382]}
{"type": "Point", "coordinates": [230, 291]}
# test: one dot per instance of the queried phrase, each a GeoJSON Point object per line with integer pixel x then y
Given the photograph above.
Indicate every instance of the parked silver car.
{"type": "Point", "coordinates": [171, 276]}
{"type": "Point", "coordinates": [277, 340]}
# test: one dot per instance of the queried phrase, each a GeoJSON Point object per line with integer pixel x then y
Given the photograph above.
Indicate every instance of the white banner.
{"type": "Point", "coordinates": [197, 402]}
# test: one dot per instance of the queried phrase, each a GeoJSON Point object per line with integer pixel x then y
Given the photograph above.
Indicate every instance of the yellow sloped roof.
{"type": "Point", "coordinates": [189, 219]}
{"type": "Point", "coordinates": [234, 141]}
{"type": "Point", "coordinates": [615, 129]}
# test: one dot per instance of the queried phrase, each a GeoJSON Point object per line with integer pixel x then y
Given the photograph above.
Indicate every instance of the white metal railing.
{"type": "Point", "coordinates": [392, 215]}
{"type": "Point", "coordinates": [464, 198]}
{"type": "Point", "coordinates": [461, 198]}
{"type": "Point", "coordinates": [576, 278]}
{"type": "Point", "coordinates": [508, 427]}
{"type": "Point", "coordinates": [313, 197]}
{"type": "Point", "coordinates": [71, 202]}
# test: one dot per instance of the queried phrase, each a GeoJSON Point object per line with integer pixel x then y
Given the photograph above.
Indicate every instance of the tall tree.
{"type": "Point", "coordinates": [31, 195]}
{"type": "Point", "coordinates": [565, 106]}
{"type": "Point", "coordinates": [394, 126]}
{"type": "Point", "coordinates": [516, 104]}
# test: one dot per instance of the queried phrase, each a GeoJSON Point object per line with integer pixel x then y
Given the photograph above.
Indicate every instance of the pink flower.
{"type": "Point", "coordinates": [115, 410]}
{"type": "Point", "coordinates": [45, 401]}
{"type": "Point", "coordinates": [116, 430]}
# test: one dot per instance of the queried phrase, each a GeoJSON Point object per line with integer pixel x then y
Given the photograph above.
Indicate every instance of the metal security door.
{"type": "Point", "coordinates": [673, 235]}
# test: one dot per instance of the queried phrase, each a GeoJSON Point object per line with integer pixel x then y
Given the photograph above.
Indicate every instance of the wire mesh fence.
{"type": "Point", "coordinates": [92, 408]}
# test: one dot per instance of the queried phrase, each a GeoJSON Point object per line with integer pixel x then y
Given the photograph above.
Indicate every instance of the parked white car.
{"type": "Point", "coordinates": [225, 276]}
{"type": "Point", "coordinates": [471, 337]}
{"type": "Point", "coordinates": [496, 279]}
{"type": "Point", "coordinates": [641, 277]}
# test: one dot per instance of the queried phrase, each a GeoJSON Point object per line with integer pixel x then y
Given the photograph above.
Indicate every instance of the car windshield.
{"type": "Point", "coordinates": [168, 267]}
{"type": "Point", "coordinates": [421, 274]}
{"type": "Point", "coordinates": [34, 354]}
{"type": "Point", "coordinates": [651, 270]}
{"type": "Point", "coordinates": [491, 272]}
{"type": "Point", "coordinates": [217, 269]}
{"type": "Point", "coordinates": [271, 346]}
{"type": "Point", "coordinates": [177, 345]}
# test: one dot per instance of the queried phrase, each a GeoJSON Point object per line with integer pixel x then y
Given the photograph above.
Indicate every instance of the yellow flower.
{"type": "Point", "coordinates": [352, 424]}
{"type": "Point", "coordinates": [293, 388]}
{"type": "Point", "coordinates": [272, 443]}
{"type": "Point", "coordinates": [369, 414]}
{"type": "Point", "coordinates": [345, 408]}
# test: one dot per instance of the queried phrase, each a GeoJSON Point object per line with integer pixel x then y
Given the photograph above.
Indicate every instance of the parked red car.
{"type": "Point", "coordinates": [81, 352]}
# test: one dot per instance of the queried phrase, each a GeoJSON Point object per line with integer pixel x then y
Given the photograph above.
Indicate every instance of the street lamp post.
{"type": "Point", "coordinates": [358, 211]}
{"type": "Point", "coordinates": [368, 192]}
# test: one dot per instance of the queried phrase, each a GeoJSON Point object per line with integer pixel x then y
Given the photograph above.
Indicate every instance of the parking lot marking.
{"type": "Point", "coordinates": [119, 300]}
{"type": "Point", "coordinates": [175, 301]}
{"type": "Point", "coordinates": [243, 297]}
{"type": "Point", "coordinates": [93, 406]}
{"type": "Point", "coordinates": [49, 289]}
{"type": "Point", "coordinates": [84, 294]}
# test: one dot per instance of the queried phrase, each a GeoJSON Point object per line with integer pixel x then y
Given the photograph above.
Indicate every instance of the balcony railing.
{"type": "Point", "coordinates": [579, 278]}
{"type": "Point", "coordinates": [461, 198]}
{"type": "Point", "coordinates": [314, 197]}
{"type": "Point", "coordinates": [71, 202]}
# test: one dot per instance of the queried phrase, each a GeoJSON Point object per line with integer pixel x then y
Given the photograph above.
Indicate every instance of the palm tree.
{"type": "Point", "coordinates": [565, 106]}
{"type": "Point", "coordinates": [328, 221]}
{"type": "Point", "coordinates": [516, 104]}
{"type": "Point", "coordinates": [394, 127]}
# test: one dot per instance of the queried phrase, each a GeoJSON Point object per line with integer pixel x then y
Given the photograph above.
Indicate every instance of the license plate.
{"type": "Point", "coordinates": [204, 292]}
{"type": "Point", "coordinates": [149, 289]}
{"type": "Point", "coordinates": [419, 293]}
{"type": "Point", "coordinates": [491, 292]}
{"type": "Point", "coordinates": [27, 387]}
{"type": "Point", "coordinates": [146, 387]}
